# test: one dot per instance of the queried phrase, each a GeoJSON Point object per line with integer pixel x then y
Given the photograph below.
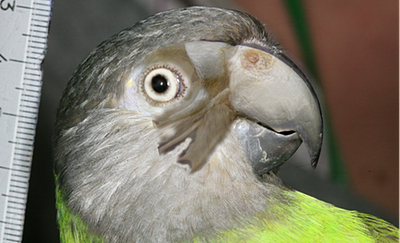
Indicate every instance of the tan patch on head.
{"type": "Point", "coordinates": [255, 59]}
{"type": "Point", "coordinates": [216, 85]}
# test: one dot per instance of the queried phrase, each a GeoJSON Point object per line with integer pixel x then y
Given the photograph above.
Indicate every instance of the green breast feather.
{"type": "Point", "coordinates": [72, 228]}
{"type": "Point", "coordinates": [306, 219]}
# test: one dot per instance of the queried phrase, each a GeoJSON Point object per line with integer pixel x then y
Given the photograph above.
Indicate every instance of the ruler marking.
{"type": "Point", "coordinates": [38, 25]}
{"type": "Point", "coordinates": [25, 133]}
{"type": "Point", "coordinates": [41, 15]}
{"type": "Point", "coordinates": [22, 160]}
{"type": "Point", "coordinates": [20, 187]}
{"type": "Point", "coordinates": [27, 139]}
{"type": "Point", "coordinates": [30, 101]}
{"type": "Point", "coordinates": [14, 229]}
{"type": "Point", "coordinates": [22, 6]}
{"type": "Point", "coordinates": [26, 111]}
{"type": "Point", "coordinates": [39, 31]}
{"type": "Point", "coordinates": [19, 181]}
{"type": "Point", "coordinates": [11, 196]}
{"type": "Point", "coordinates": [34, 58]}
{"type": "Point", "coordinates": [19, 143]}
{"type": "Point", "coordinates": [38, 42]}
{"type": "Point", "coordinates": [10, 234]}
{"type": "Point", "coordinates": [6, 222]}
{"type": "Point", "coordinates": [9, 114]}
{"type": "Point", "coordinates": [33, 74]}
{"type": "Point", "coordinates": [23, 149]}
{"type": "Point", "coordinates": [22, 165]}
{"type": "Point", "coordinates": [5, 168]}
{"type": "Point", "coordinates": [42, 4]}
{"type": "Point", "coordinates": [17, 203]}
{"type": "Point", "coordinates": [23, 155]}
{"type": "Point", "coordinates": [21, 176]}
{"type": "Point", "coordinates": [11, 239]}
{"type": "Point", "coordinates": [35, 36]}
{"type": "Point", "coordinates": [21, 214]}
{"type": "Point", "coordinates": [33, 80]}
{"type": "Point", "coordinates": [35, 16]}
{"type": "Point", "coordinates": [2, 57]}
{"type": "Point", "coordinates": [26, 95]}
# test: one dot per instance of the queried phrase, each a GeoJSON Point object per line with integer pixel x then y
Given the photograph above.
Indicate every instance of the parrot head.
{"type": "Point", "coordinates": [174, 127]}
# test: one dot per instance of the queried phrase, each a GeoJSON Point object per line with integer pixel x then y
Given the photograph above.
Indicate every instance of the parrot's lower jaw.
{"type": "Point", "coordinates": [266, 149]}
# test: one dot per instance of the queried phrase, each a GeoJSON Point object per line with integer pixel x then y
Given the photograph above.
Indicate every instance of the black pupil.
{"type": "Point", "coordinates": [159, 83]}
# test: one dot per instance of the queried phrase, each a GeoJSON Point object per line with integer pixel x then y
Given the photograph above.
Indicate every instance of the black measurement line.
{"type": "Point", "coordinates": [33, 68]}
{"type": "Point", "coordinates": [18, 143]}
{"type": "Point", "coordinates": [21, 214]}
{"type": "Point", "coordinates": [34, 58]}
{"type": "Point", "coordinates": [10, 234]}
{"type": "Point", "coordinates": [32, 96]}
{"type": "Point", "coordinates": [11, 239]}
{"type": "Point", "coordinates": [30, 101]}
{"type": "Point", "coordinates": [37, 53]}
{"type": "Point", "coordinates": [13, 169]}
{"type": "Point", "coordinates": [33, 80]}
{"type": "Point", "coordinates": [13, 229]}
{"type": "Point", "coordinates": [2, 57]}
{"type": "Point", "coordinates": [41, 15]}
{"type": "Point", "coordinates": [19, 187]}
{"type": "Point", "coordinates": [5, 222]}
{"type": "Point", "coordinates": [17, 203]}
{"type": "Point", "coordinates": [5, 168]}
{"type": "Point", "coordinates": [22, 6]}
{"type": "Point", "coordinates": [26, 139]}
{"type": "Point", "coordinates": [9, 114]}
{"type": "Point", "coordinates": [38, 31]}
{"type": "Point", "coordinates": [17, 192]}
{"type": "Point", "coordinates": [6, 195]}
{"type": "Point", "coordinates": [28, 112]}
{"type": "Point", "coordinates": [28, 164]}
{"type": "Point", "coordinates": [38, 25]}
{"type": "Point", "coordinates": [23, 160]}
{"type": "Point", "coordinates": [20, 61]}
{"type": "Point", "coordinates": [18, 181]}
{"type": "Point", "coordinates": [16, 218]}
{"type": "Point", "coordinates": [42, 4]}
{"type": "Point", "coordinates": [15, 208]}
{"type": "Point", "coordinates": [35, 47]}
{"type": "Point", "coordinates": [23, 149]}
{"type": "Point", "coordinates": [38, 42]}
{"type": "Point", "coordinates": [23, 155]}
{"type": "Point", "coordinates": [26, 128]}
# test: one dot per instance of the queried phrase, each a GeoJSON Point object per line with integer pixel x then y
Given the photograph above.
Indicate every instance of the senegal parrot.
{"type": "Point", "coordinates": [173, 130]}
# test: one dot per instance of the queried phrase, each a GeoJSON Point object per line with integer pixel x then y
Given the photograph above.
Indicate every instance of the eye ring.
{"type": "Point", "coordinates": [162, 84]}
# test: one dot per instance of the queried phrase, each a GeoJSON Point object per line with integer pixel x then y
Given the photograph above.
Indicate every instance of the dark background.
{"type": "Point", "coordinates": [356, 46]}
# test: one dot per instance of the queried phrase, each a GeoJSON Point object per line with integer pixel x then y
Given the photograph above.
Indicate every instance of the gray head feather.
{"type": "Point", "coordinates": [107, 160]}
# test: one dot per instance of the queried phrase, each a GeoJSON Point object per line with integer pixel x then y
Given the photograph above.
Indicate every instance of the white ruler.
{"type": "Point", "coordinates": [23, 40]}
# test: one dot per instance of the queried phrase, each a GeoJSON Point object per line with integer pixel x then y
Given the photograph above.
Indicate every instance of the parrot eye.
{"type": "Point", "coordinates": [162, 84]}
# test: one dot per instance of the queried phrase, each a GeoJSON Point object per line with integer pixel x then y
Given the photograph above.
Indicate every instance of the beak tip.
{"type": "Point", "coordinates": [314, 163]}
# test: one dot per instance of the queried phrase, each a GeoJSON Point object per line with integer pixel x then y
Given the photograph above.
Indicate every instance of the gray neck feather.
{"type": "Point", "coordinates": [114, 178]}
